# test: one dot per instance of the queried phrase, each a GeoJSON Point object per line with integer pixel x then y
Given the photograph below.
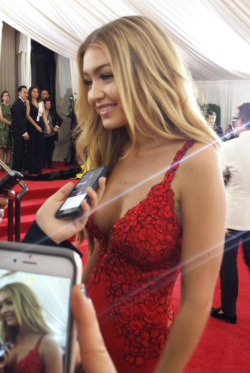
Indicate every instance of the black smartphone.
{"type": "Point", "coordinates": [9, 181]}
{"type": "Point", "coordinates": [72, 205]}
{"type": "Point", "coordinates": [3, 348]}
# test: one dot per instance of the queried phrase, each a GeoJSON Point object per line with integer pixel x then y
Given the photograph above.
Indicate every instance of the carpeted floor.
{"type": "Point", "coordinates": [224, 348]}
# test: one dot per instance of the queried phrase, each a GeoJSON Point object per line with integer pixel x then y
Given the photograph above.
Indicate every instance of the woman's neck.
{"type": "Point", "coordinates": [145, 143]}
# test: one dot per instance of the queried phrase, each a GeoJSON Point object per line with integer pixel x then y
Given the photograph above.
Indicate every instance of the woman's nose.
{"type": "Point", "coordinates": [95, 92]}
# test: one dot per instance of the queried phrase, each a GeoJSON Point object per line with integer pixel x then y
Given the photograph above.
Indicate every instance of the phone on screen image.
{"type": "Point", "coordinates": [72, 205]}
{"type": "Point", "coordinates": [35, 291]}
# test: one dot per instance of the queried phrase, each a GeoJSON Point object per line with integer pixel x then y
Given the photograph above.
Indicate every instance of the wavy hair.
{"type": "Point", "coordinates": [155, 89]}
{"type": "Point", "coordinates": [3, 92]}
{"type": "Point", "coordinates": [28, 312]}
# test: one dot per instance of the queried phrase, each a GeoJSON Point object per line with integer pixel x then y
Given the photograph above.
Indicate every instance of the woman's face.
{"type": "Point", "coordinates": [47, 105]}
{"type": "Point", "coordinates": [6, 97]}
{"type": "Point", "coordinates": [34, 93]}
{"type": "Point", "coordinates": [7, 310]}
{"type": "Point", "coordinates": [103, 94]}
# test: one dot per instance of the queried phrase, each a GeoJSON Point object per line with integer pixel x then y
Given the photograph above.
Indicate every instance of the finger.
{"type": "Point", "coordinates": [94, 355]}
{"type": "Point", "coordinates": [101, 187]}
{"type": "Point", "coordinates": [63, 192]}
{"type": "Point", "coordinates": [93, 199]}
{"type": "Point", "coordinates": [3, 203]}
{"type": "Point", "coordinates": [1, 213]}
{"type": "Point", "coordinates": [11, 194]}
{"type": "Point", "coordinates": [95, 196]}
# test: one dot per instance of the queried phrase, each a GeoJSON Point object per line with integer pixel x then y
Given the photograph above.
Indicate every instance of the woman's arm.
{"type": "Point", "coordinates": [29, 117]}
{"type": "Point", "coordinates": [2, 119]}
{"type": "Point", "coordinates": [51, 356]}
{"type": "Point", "coordinates": [202, 200]}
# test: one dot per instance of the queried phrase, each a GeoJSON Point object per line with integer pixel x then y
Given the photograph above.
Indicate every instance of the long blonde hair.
{"type": "Point", "coordinates": [28, 312]}
{"type": "Point", "coordinates": [154, 86]}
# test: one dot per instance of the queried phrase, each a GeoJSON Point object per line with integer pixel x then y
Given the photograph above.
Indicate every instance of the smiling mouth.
{"type": "Point", "coordinates": [106, 108]}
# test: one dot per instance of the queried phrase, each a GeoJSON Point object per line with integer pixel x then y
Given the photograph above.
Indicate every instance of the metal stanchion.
{"type": "Point", "coordinates": [10, 220]}
{"type": "Point", "coordinates": [17, 210]}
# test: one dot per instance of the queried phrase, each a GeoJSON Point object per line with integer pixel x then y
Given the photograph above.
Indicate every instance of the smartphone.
{"type": "Point", "coordinates": [47, 274]}
{"type": "Point", "coordinates": [9, 181]}
{"type": "Point", "coordinates": [72, 205]}
{"type": "Point", "coordinates": [3, 349]}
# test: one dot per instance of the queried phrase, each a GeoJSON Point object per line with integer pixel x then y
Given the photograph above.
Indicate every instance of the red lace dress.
{"type": "Point", "coordinates": [32, 362]}
{"type": "Point", "coordinates": [131, 285]}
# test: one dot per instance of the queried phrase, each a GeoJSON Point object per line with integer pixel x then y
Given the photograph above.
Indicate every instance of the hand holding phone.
{"type": "Point", "coordinates": [4, 353]}
{"type": "Point", "coordinates": [35, 274]}
{"type": "Point", "coordinates": [72, 205]}
{"type": "Point", "coordinates": [60, 230]}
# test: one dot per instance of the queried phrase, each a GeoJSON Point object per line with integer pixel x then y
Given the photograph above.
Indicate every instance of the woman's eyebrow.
{"type": "Point", "coordinates": [98, 68]}
{"type": "Point", "coordinates": [4, 300]}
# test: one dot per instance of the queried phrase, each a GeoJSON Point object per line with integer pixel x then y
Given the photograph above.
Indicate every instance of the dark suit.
{"type": "Point", "coordinates": [49, 139]}
{"type": "Point", "coordinates": [36, 236]}
{"type": "Point", "coordinates": [18, 128]}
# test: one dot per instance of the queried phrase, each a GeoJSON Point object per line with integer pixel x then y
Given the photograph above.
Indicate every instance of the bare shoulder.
{"type": "Point", "coordinates": [200, 168]}
{"type": "Point", "coordinates": [48, 344]}
{"type": "Point", "coordinates": [200, 155]}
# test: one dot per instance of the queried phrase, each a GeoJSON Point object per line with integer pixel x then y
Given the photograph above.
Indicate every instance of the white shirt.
{"type": "Point", "coordinates": [40, 111]}
{"type": "Point", "coordinates": [236, 154]}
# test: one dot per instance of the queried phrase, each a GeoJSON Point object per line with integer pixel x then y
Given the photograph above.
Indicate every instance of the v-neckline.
{"type": "Point", "coordinates": [109, 233]}
{"type": "Point", "coordinates": [172, 168]}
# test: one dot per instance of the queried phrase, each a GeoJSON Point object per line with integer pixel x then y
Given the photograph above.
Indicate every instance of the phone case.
{"type": "Point", "coordinates": [59, 214]}
{"type": "Point", "coordinates": [74, 258]}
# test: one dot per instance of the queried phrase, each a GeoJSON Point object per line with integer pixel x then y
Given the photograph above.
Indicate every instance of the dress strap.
{"type": "Point", "coordinates": [177, 160]}
{"type": "Point", "coordinates": [39, 342]}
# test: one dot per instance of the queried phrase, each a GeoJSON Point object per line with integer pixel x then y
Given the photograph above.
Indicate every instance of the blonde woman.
{"type": "Point", "coordinates": [163, 207]}
{"type": "Point", "coordinates": [22, 323]}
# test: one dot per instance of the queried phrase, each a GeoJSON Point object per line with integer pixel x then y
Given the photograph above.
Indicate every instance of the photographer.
{"type": "Point", "coordinates": [54, 121]}
{"type": "Point", "coordinates": [71, 155]}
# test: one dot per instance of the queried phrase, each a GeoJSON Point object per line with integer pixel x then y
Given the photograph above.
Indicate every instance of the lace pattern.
{"type": "Point", "coordinates": [140, 269]}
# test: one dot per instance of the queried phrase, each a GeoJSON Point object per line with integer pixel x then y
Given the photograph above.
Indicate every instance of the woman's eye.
{"type": "Point", "coordinates": [107, 76]}
{"type": "Point", "coordinates": [87, 82]}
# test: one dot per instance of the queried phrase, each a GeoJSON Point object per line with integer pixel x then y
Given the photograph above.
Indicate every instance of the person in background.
{"type": "Point", "coordinates": [136, 107]}
{"type": "Point", "coordinates": [19, 128]}
{"type": "Point", "coordinates": [45, 94]}
{"type": "Point", "coordinates": [22, 323]}
{"type": "Point", "coordinates": [211, 119]}
{"type": "Point", "coordinates": [237, 156]}
{"type": "Point", "coordinates": [54, 121]}
{"type": "Point", "coordinates": [38, 124]}
{"type": "Point", "coordinates": [6, 138]}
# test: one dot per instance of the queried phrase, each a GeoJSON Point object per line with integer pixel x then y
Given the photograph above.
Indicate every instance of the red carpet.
{"type": "Point", "coordinates": [224, 348]}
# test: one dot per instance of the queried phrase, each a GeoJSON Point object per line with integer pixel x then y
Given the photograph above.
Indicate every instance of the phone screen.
{"type": "Point", "coordinates": [40, 300]}
{"type": "Point", "coordinates": [90, 178]}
